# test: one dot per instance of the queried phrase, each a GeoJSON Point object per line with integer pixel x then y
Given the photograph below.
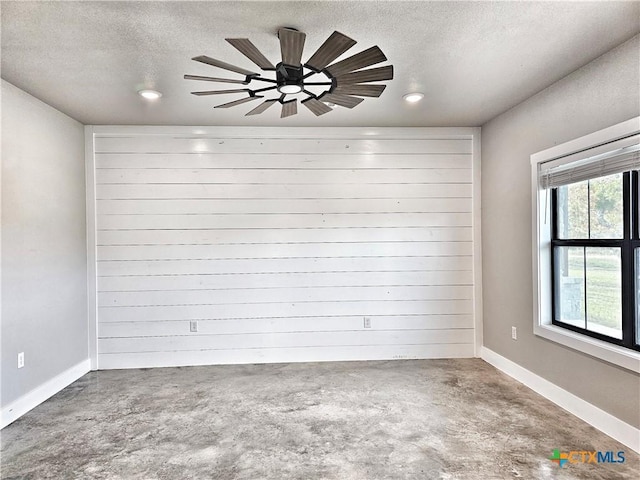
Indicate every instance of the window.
{"type": "Point", "coordinates": [591, 241]}
{"type": "Point", "coordinates": [587, 244]}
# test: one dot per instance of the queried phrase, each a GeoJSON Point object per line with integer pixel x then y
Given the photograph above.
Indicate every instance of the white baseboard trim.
{"type": "Point", "coordinates": [35, 397]}
{"type": "Point", "coordinates": [594, 416]}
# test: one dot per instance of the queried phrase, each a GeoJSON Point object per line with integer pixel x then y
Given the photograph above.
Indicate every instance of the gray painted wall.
{"type": "Point", "coordinates": [44, 260]}
{"type": "Point", "coordinates": [600, 94]}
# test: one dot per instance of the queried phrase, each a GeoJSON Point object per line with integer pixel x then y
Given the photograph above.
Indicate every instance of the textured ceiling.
{"type": "Point", "coordinates": [472, 60]}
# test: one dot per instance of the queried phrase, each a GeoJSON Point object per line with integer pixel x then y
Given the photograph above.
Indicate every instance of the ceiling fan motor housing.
{"type": "Point", "coordinates": [288, 78]}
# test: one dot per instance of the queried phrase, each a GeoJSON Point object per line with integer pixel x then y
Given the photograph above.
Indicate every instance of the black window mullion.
{"type": "Point", "coordinates": [635, 204]}
{"type": "Point", "coordinates": [635, 244]}
{"type": "Point", "coordinates": [635, 275]}
{"type": "Point", "coordinates": [588, 219]}
{"type": "Point", "coordinates": [627, 207]}
{"type": "Point", "coordinates": [554, 214]}
{"type": "Point", "coordinates": [584, 275]}
{"type": "Point", "coordinates": [628, 283]}
{"type": "Point", "coordinates": [554, 235]}
{"type": "Point", "coordinates": [596, 242]}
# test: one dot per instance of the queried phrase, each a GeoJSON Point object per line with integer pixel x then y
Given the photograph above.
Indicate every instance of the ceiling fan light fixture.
{"type": "Point", "coordinates": [290, 89]}
{"type": "Point", "coordinates": [413, 97]}
{"type": "Point", "coordinates": [150, 94]}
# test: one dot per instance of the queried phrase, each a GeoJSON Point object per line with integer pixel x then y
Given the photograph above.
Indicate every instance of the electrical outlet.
{"type": "Point", "coordinates": [514, 333]}
{"type": "Point", "coordinates": [367, 322]}
{"type": "Point", "coordinates": [21, 360]}
{"type": "Point", "coordinates": [193, 326]}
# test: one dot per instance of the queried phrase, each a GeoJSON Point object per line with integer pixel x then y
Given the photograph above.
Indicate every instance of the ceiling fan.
{"type": "Point", "coordinates": [343, 84]}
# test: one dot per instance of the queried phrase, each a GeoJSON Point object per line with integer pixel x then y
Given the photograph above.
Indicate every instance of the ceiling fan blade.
{"type": "Point", "coordinates": [291, 46]}
{"type": "Point", "coordinates": [316, 106]}
{"type": "Point", "coordinates": [220, 64]}
{"type": "Point", "coordinates": [262, 107]}
{"type": "Point", "coordinates": [238, 102]}
{"type": "Point", "coordinates": [220, 92]}
{"type": "Point", "coordinates": [361, 90]}
{"type": "Point", "coordinates": [332, 48]}
{"type": "Point", "coordinates": [249, 50]}
{"type": "Point", "coordinates": [213, 79]}
{"type": "Point", "coordinates": [364, 76]}
{"type": "Point", "coordinates": [289, 108]}
{"type": "Point", "coordinates": [369, 57]}
{"type": "Point", "coordinates": [342, 100]}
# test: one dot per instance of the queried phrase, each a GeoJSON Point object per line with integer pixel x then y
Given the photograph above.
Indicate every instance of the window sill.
{"type": "Point", "coordinates": [620, 356]}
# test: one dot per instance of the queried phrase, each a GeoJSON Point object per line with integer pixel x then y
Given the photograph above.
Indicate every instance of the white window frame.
{"type": "Point", "coordinates": [542, 281]}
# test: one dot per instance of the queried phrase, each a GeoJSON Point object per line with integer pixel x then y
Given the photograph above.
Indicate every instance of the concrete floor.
{"type": "Point", "coordinates": [433, 419]}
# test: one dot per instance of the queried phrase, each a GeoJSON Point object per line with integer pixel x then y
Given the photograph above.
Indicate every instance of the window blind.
{"type": "Point", "coordinates": [619, 156]}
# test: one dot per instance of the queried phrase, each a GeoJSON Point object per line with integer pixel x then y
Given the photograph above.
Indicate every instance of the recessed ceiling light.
{"type": "Point", "coordinates": [330, 104]}
{"type": "Point", "coordinates": [413, 97]}
{"type": "Point", "coordinates": [150, 94]}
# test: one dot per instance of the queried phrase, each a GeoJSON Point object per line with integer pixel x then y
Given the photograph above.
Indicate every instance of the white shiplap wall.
{"type": "Point", "coordinates": [279, 243]}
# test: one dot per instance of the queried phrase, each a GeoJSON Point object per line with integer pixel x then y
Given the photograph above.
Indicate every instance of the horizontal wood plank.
{"type": "Point", "coordinates": [197, 145]}
{"type": "Point", "coordinates": [262, 221]}
{"type": "Point", "coordinates": [280, 355]}
{"type": "Point", "coordinates": [180, 343]}
{"type": "Point", "coordinates": [249, 281]}
{"type": "Point", "coordinates": [283, 250]}
{"type": "Point", "coordinates": [283, 235]}
{"type": "Point", "coordinates": [253, 310]}
{"type": "Point", "coordinates": [281, 206]}
{"type": "Point", "coordinates": [277, 161]}
{"type": "Point", "coordinates": [249, 191]}
{"type": "Point", "coordinates": [284, 325]}
{"type": "Point", "coordinates": [272, 265]}
{"type": "Point", "coordinates": [259, 295]}
{"type": "Point", "coordinates": [203, 176]}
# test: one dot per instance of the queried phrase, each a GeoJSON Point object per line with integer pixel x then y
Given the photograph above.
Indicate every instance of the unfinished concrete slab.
{"type": "Point", "coordinates": [426, 419]}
